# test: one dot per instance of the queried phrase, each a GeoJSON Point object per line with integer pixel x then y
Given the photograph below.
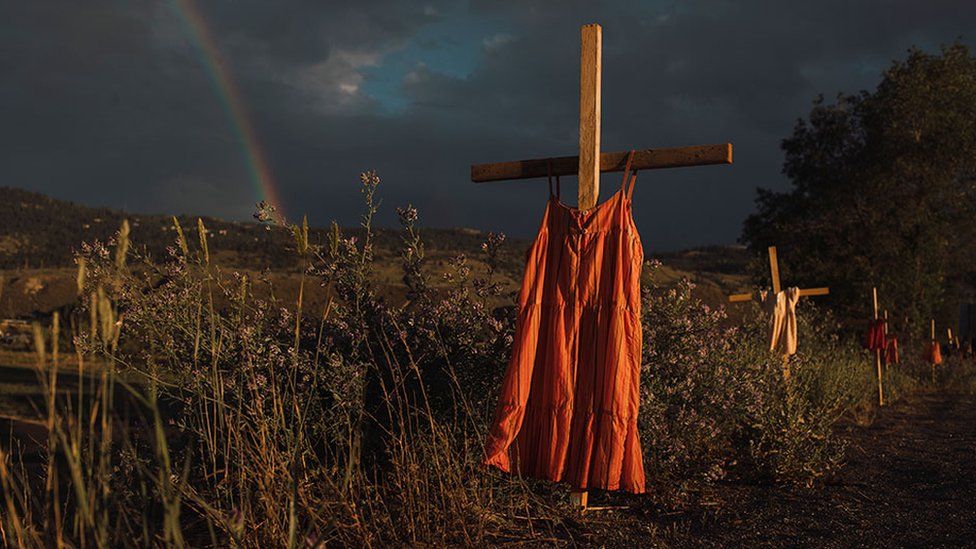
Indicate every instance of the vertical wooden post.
{"type": "Point", "coordinates": [579, 499]}
{"type": "Point", "coordinates": [877, 352]}
{"type": "Point", "coordinates": [774, 273]}
{"type": "Point", "coordinates": [591, 52]}
{"type": "Point", "coordinates": [591, 64]}
{"type": "Point", "coordinates": [774, 270]}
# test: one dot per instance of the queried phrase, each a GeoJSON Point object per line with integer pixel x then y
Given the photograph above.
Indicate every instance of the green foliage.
{"type": "Point", "coordinates": [715, 403]}
{"type": "Point", "coordinates": [791, 423]}
{"type": "Point", "coordinates": [884, 192]}
{"type": "Point", "coordinates": [691, 395]}
{"type": "Point", "coordinates": [958, 375]}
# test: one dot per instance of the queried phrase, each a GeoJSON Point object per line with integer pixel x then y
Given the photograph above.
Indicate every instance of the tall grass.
{"type": "Point", "coordinates": [203, 414]}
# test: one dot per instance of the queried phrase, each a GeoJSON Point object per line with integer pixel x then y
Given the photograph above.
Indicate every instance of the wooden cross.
{"type": "Point", "coordinates": [774, 271]}
{"type": "Point", "coordinates": [804, 292]}
{"type": "Point", "coordinates": [591, 161]}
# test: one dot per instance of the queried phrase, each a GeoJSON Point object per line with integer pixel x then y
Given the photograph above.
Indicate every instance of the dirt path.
{"type": "Point", "coordinates": [910, 480]}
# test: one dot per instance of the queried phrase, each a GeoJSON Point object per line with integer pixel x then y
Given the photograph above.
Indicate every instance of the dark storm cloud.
{"type": "Point", "coordinates": [110, 102]}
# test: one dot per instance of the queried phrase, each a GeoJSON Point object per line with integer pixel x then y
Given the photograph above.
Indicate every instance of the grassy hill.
{"type": "Point", "coordinates": [37, 231]}
{"type": "Point", "coordinates": [39, 237]}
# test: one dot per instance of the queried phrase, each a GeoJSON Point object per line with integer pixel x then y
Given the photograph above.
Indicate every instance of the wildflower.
{"type": "Point", "coordinates": [408, 215]}
{"type": "Point", "coordinates": [492, 242]}
{"type": "Point", "coordinates": [369, 178]}
{"type": "Point", "coordinates": [267, 213]}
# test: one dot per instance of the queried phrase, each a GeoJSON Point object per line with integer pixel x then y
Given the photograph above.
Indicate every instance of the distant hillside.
{"type": "Point", "coordinates": [732, 260]}
{"type": "Point", "coordinates": [37, 231]}
{"type": "Point", "coordinates": [39, 236]}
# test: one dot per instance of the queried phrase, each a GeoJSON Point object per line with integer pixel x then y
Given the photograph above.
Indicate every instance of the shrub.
{"type": "Point", "coordinates": [714, 401]}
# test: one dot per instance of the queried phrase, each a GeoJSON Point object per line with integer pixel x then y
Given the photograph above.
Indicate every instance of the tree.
{"type": "Point", "coordinates": [883, 192]}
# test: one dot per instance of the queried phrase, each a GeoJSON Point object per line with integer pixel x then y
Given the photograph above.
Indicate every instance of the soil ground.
{"type": "Point", "coordinates": [909, 481]}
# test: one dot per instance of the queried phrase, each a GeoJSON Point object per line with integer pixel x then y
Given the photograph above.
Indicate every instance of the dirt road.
{"type": "Point", "coordinates": [910, 481]}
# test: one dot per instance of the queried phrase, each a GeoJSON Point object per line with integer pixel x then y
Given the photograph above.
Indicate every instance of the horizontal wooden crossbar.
{"type": "Point", "coordinates": [648, 159]}
{"type": "Point", "coordinates": [805, 292]}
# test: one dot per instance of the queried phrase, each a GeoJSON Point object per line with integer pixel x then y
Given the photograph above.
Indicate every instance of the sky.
{"type": "Point", "coordinates": [208, 106]}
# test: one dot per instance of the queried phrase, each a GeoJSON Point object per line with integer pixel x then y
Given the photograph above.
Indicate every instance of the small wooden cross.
{"type": "Point", "coordinates": [804, 292]}
{"type": "Point", "coordinates": [591, 161]}
{"type": "Point", "coordinates": [774, 271]}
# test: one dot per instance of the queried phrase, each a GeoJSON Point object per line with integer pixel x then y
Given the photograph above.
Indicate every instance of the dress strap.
{"type": "Point", "coordinates": [557, 190]}
{"type": "Point", "coordinates": [627, 185]}
{"type": "Point", "coordinates": [630, 188]}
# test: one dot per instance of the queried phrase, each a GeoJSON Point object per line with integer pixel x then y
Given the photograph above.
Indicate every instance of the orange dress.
{"type": "Point", "coordinates": [568, 404]}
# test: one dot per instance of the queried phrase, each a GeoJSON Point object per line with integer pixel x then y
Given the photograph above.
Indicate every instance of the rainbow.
{"type": "Point", "coordinates": [231, 99]}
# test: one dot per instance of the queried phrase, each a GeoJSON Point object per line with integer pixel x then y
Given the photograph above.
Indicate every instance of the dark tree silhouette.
{"type": "Point", "coordinates": [883, 192]}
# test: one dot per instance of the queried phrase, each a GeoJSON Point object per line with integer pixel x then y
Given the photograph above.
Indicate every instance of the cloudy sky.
{"type": "Point", "coordinates": [166, 107]}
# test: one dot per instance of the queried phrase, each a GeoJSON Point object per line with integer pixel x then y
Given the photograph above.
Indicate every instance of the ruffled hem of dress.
{"type": "Point", "coordinates": [502, 462]}
{"type": "Point", "coordinates": [499, 461]}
